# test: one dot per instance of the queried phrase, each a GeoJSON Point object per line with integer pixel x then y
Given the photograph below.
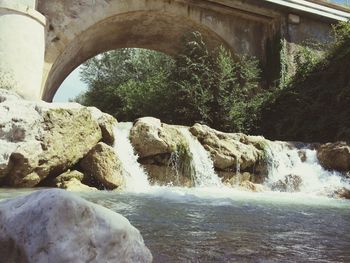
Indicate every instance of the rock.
{"type": "Point", "coordinates": [55, 226]}
{"type": "Point", "coordinates": [228, 150]}
{"type": "Point", "coordinates": [241, 180]}
{"type": "Point", "coordinates": [40, 140]}
{"type": "Point", "coordinates": [249, 186]}
{"type": "Point", "coordinates": [103, 164]}
{"type": "Point", "coordinates": [74, 185]}
{"type": "Point", "coordinates": [150, 137]}
{"type": "Point", "coordinates": [106, 123]}
{"type": "Point", "coordinates": [62, 145]}
{"type": "Point", "coordinates": [167, 175]}
{"type": "Point", "coordinates": [163, 151]}
{"type": "Point", "coordinates": [291, 183]}
{"type": "Point", "coordinates": [342, 193]}
{"type": "Point", "coordinates": [232, 179]}
{"type": "Point", "coordinates": [68, 176]}
{"type": "Point", "coordinates": [72, 181]}
{"type": "Point", "coordinates": [302, 155]}
{"type": "Point", "coordinates": [334, 156]}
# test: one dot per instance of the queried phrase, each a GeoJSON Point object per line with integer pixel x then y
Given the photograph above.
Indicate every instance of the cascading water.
{"type": "Point", "coordinates": [204, 174]}
{"type": "Point", "coordinates": [134, 175]}
{"type": "Point", "coordinates": [287, 171]}
{"type": "Point", "coordinates": [285, 164]}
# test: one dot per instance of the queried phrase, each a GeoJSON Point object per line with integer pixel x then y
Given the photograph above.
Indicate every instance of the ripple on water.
{"type": "Point", "coordinates": [220, 225]}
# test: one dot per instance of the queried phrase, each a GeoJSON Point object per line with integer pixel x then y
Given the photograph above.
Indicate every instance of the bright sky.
{"type": "Point", "coordinates": [70, 88]}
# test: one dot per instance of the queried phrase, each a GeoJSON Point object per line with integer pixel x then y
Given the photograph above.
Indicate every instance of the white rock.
{"type": "Point", "coordinates": [57, 227]}
{"type": "Point", "coordinates": [35, 143]}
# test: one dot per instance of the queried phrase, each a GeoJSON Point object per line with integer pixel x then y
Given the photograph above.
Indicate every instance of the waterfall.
{"type": "Point", "coordinates": [204, 174]}
{"type": "Point", "coordinates": [238, 172]}
{"type": "Point", "coordinates": [134, 175]}
{"type": "Point", "coordinates": [300, 169]}
{"type": "Point", "coordinates": [290, 169]}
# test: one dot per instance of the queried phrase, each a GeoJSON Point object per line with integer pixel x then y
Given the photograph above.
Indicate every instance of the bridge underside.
{"type": "Point", "coordinates": [78, 30]}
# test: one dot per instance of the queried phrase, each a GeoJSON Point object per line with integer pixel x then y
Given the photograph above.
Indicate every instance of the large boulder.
{"type": "Point", "coordinates": [163, 151]}
{"type": "Point", "coordinates": [232, 151]}
{"type": "Point", "coordinates": [40, 139]}
{"type": "Point", "coordinates": [334, 156]}
{"type": "Point", "coordinates": [103, 164]}
{"type": "Point", "coordinates": [57, 227]}
{"type": "Point", "coordinates": [150, 137]}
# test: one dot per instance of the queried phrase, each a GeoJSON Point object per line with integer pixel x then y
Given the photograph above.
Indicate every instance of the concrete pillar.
{"type": "Point", "coordinates": [22, 47]}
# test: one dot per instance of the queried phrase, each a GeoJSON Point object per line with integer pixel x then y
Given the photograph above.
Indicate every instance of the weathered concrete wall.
{"type": "Point", "coordinates": [22, 47]}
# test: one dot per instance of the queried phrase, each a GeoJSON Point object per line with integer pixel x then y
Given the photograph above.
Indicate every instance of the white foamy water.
{"type": "Point", "coordinates": [134, 175]}
{"type": "Point", "coordinates": [284, 161]}
{"type": "Point", "coordinates": [202, 163]}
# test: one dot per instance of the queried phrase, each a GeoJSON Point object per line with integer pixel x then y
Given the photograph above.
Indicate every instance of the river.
{"type": "Point", "coordinates": [215, 223]}
{"type": "Point", "coordinates": [212, 225]}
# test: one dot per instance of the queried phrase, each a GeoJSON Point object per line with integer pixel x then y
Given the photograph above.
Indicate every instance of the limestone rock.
{"type": "Point", "coordinates": [291, 183]}
{"type": "Point", "coordinates": [232, 179]}
{"type": "Point", "coordinates": [103, 164]}
{"type": "Point", "coordinates": [150, 137]}
{"type": "Point", "coordinates": [342, 193]}
{"type": "Point", "coordinates": [167, 175]}
{"type": "Point", "coordinates": [106, 123]}
{"type": "Point", "coordinates": [249, 186]}
{"type": "Point", "coordinates": [334, 156]}
{"type": "Point", "coordinates": [302, 155]}
{"type": "Point", "coordinates": [163, 151]}
{"type": "Point", "coordinates": [74, 185]}
{"type": "Point", "coordinates": [61, 146]}
{"type": "Point", "coordinates": [72, 181]}
{"type": "Point", "coordinates": [40, 140]}
{"type": "Point", "coordinates": [228, 150]}
{"type": "Point", "coordinates": [55, 226]}
{"type": "Point", "coordinates": [68, 176]}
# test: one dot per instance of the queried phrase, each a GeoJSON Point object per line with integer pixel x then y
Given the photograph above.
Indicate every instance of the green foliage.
{"type": "Point", "coordinates": [341, 34]}
{"type": "Point", "coordinates": [307, 58]}
{"type": "Point", "coordinates": [191, 81]}
{"type": "Point", "coordinates": [126, 83]}
{"type": "Point", "coordinates": [214, 88]}
{"type": "Point", "coordinates": [285, 65]}
{"type": "Point", "coordinates": [314, 107]}
{"type": "Point", "coordinates": [199, 85]}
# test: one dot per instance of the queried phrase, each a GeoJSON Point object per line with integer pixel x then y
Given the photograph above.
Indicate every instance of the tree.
{"type": "Point", "coordinates": [215, 87]}
{"type": "Point", "coordinates": [200, 85]}
{"type": "Point", "coordinates": [126, 82]}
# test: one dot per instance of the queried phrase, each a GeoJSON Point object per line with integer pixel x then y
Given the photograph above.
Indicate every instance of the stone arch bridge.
{"type": "Point", "coordinates": [42, 41]}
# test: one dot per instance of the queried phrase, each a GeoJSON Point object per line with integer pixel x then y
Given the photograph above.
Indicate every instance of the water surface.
{"type": "Point", "coordinates": [213, 225]}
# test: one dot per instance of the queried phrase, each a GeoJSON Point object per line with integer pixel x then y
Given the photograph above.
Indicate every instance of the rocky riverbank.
{"type": "Point", "coordinates": [71, 147]}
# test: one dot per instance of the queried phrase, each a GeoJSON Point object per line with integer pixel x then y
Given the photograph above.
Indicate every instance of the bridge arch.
{"type": "Point", "coordinates": [79, 30]}
{"type": "Point", "coordinates": [43, 41]}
